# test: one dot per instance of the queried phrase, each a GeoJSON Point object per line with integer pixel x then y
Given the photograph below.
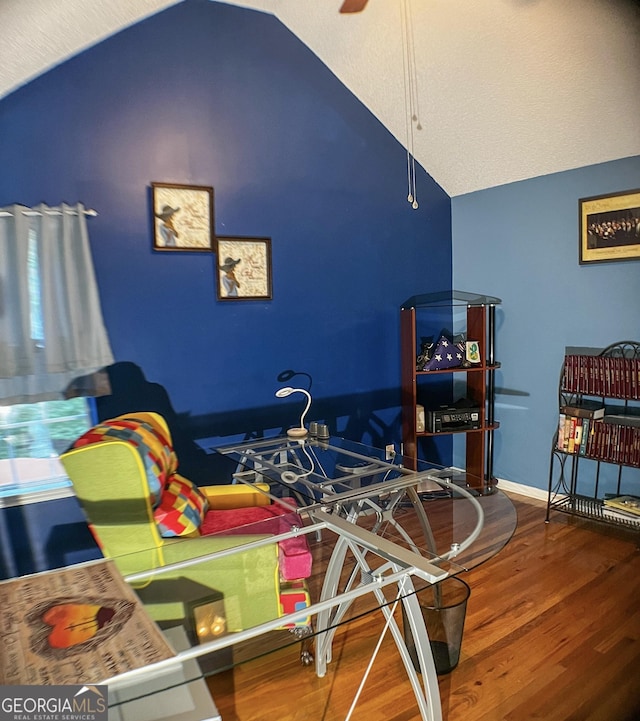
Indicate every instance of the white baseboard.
{"type": "Point", "coordinates": [522, 490]}
{"type": "Point", "coordinates": [512, 487]}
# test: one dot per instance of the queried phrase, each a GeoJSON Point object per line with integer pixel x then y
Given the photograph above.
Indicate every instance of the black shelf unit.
{"type": "Point", "coordinates": [611, 376]}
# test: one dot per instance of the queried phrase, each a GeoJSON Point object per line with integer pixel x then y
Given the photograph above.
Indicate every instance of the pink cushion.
{"type": "Point", "coordinates": [295, 558]}
{"type": "Point", "coordinates": [294, 554]}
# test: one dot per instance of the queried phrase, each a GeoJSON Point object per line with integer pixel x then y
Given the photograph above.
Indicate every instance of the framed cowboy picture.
{"type": "Point", "coordinates": [243, 268]}
{"type": "Point", "coordinates": [182, 217]}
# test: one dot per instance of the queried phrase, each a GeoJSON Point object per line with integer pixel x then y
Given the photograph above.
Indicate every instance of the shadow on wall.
{"type": "Point", "coordinates": [54, 533]}
{"type": "Point", "coordinates": [131, 392]}
{"type": "Point", "coordinates": [372, 418]}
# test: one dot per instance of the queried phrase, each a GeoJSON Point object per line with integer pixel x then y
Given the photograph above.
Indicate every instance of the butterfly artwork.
{"type": "Point", "coordinates": [74, 625]}
{"type": "Point", "coordinates": [67, 626]}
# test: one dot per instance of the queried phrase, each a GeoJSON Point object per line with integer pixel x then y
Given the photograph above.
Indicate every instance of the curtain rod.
{"type": "Point", "coordinates": [8, 214]}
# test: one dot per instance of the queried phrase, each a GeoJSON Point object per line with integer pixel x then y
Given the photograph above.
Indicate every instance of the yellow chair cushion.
{"type": "Point", "coordinates": [236, 495]}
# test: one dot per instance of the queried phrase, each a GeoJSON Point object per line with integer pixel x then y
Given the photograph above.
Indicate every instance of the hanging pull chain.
{"type": "Point", "coordinates": [410, 98]}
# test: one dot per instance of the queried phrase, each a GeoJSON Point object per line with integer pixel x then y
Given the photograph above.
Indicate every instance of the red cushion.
{"type": "Point", "coordinates": [263, 520]}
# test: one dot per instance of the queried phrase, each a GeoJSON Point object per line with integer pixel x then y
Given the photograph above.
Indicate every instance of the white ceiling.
{"type": "Point", "coordinates": [506, 89]}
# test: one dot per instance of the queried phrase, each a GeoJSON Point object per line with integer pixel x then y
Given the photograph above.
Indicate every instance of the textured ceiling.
{"type": "Point", "coordinates": [504, 89]}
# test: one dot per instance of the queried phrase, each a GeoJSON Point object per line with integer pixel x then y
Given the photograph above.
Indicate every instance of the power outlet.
{"type": "Point", "coordinates": [389, 452]}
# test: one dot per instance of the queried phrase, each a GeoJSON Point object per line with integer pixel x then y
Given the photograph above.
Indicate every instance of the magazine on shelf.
{"type": "Point", "coordinates": [629, 504]}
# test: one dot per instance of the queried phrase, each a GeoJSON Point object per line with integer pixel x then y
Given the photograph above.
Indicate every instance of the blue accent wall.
{"type": "Point", "coordinates": [520, 242]}
{"type": "Point", "coordinates": [208, 94]}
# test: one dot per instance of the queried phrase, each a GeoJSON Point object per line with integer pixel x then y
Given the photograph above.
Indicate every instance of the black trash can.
{"type": "Point", "coordinates": [443, 607]}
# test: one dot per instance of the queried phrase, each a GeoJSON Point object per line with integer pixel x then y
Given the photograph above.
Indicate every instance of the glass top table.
{"type": "Point", "coordinates": [361, 484]}
{"type": "Point", "coordinates": [376, 535]}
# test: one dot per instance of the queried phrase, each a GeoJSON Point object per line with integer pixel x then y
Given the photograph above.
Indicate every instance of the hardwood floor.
{"type": "Point", "coordinates": [552, 632]}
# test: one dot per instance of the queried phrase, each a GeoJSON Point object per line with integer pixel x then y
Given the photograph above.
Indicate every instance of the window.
{"type": "Point", "coordinates": [32, 436]}
{"type": "Point", "coordinates": [35, 294]}
{"type": "Point", "coordinates": [51, 326]}
{"type": "Point", "coordinates": [53, 336]}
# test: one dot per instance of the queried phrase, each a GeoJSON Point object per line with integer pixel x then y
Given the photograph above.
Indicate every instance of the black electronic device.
{"type": "Point", "coordinates": [448, 419]}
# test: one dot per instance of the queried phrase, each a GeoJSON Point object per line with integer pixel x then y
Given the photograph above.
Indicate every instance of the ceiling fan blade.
{"type": "Point", "coordinates": [353, 6]}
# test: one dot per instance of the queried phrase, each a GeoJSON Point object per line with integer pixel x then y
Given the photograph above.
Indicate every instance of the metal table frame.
{"type": "Point", "coordinates": [400, 566]}
{"type": "Point", "coordinates": [272, 460]}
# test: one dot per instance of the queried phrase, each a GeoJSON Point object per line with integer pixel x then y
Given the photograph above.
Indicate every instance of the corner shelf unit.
{"type": "Point", "coordinates": [425, 311]}
{"type": "Point", "coordinates": [610, 448]}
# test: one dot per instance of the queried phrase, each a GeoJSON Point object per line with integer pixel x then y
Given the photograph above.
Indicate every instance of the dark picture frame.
{"type": "Point", "coordinates": [243, 268]}
{"type": "Point", "coordinates": [610, 227]}
{"type": "Point", "coordinates": [182, 217]}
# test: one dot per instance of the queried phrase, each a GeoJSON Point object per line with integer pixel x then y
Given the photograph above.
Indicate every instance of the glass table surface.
{"type": "Point", "coordinates": [373, 534]}
{"type": "Point", "coordinates": [359, 482]}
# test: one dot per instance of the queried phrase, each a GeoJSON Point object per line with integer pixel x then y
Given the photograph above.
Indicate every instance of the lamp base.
{"type": "Point", "coordinates": [297, 432]}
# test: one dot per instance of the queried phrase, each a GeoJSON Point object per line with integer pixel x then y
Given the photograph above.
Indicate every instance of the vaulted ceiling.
{"type": "Point", "coordinates": [500, 90]}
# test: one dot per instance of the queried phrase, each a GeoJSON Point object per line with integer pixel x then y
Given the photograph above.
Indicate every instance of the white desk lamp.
{"type": "Point", "coordinates": [300, 432]}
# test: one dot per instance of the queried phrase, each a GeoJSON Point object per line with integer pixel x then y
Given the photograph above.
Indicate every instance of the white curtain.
{"type": "Point", "coordinates": [51, 326]}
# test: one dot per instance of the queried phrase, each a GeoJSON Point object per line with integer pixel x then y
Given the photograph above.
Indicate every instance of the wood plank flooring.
{"type": "Point", "coordinates": [552, 633]}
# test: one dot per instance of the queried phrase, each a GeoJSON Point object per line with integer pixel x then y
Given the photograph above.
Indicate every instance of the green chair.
{"type": "Point", "coordinates": [110, 477]}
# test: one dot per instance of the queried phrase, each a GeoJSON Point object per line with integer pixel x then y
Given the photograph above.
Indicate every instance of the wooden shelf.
{"type": "Point", "coordinates": [480, 368]}
{"type": "Point", "coordinates": [484, 429]}
{"type": "Point", "coordinates": [480, 327]}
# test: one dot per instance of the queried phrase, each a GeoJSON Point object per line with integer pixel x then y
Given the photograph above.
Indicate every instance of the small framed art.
{"type": "Point", "coordinates": [182, 217]}
{"type": "Point", "coordinates": [610, 227]}
{"type": "Point", "coordinates": [243, 268]}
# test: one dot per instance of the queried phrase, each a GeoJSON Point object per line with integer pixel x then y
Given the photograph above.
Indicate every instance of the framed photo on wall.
{"type": "Point", "coordinates": [243, 268]}
{"type": "Point", "coordinates": [610, 227]}
{"type": "Point", "coordinates": [182, 217]}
